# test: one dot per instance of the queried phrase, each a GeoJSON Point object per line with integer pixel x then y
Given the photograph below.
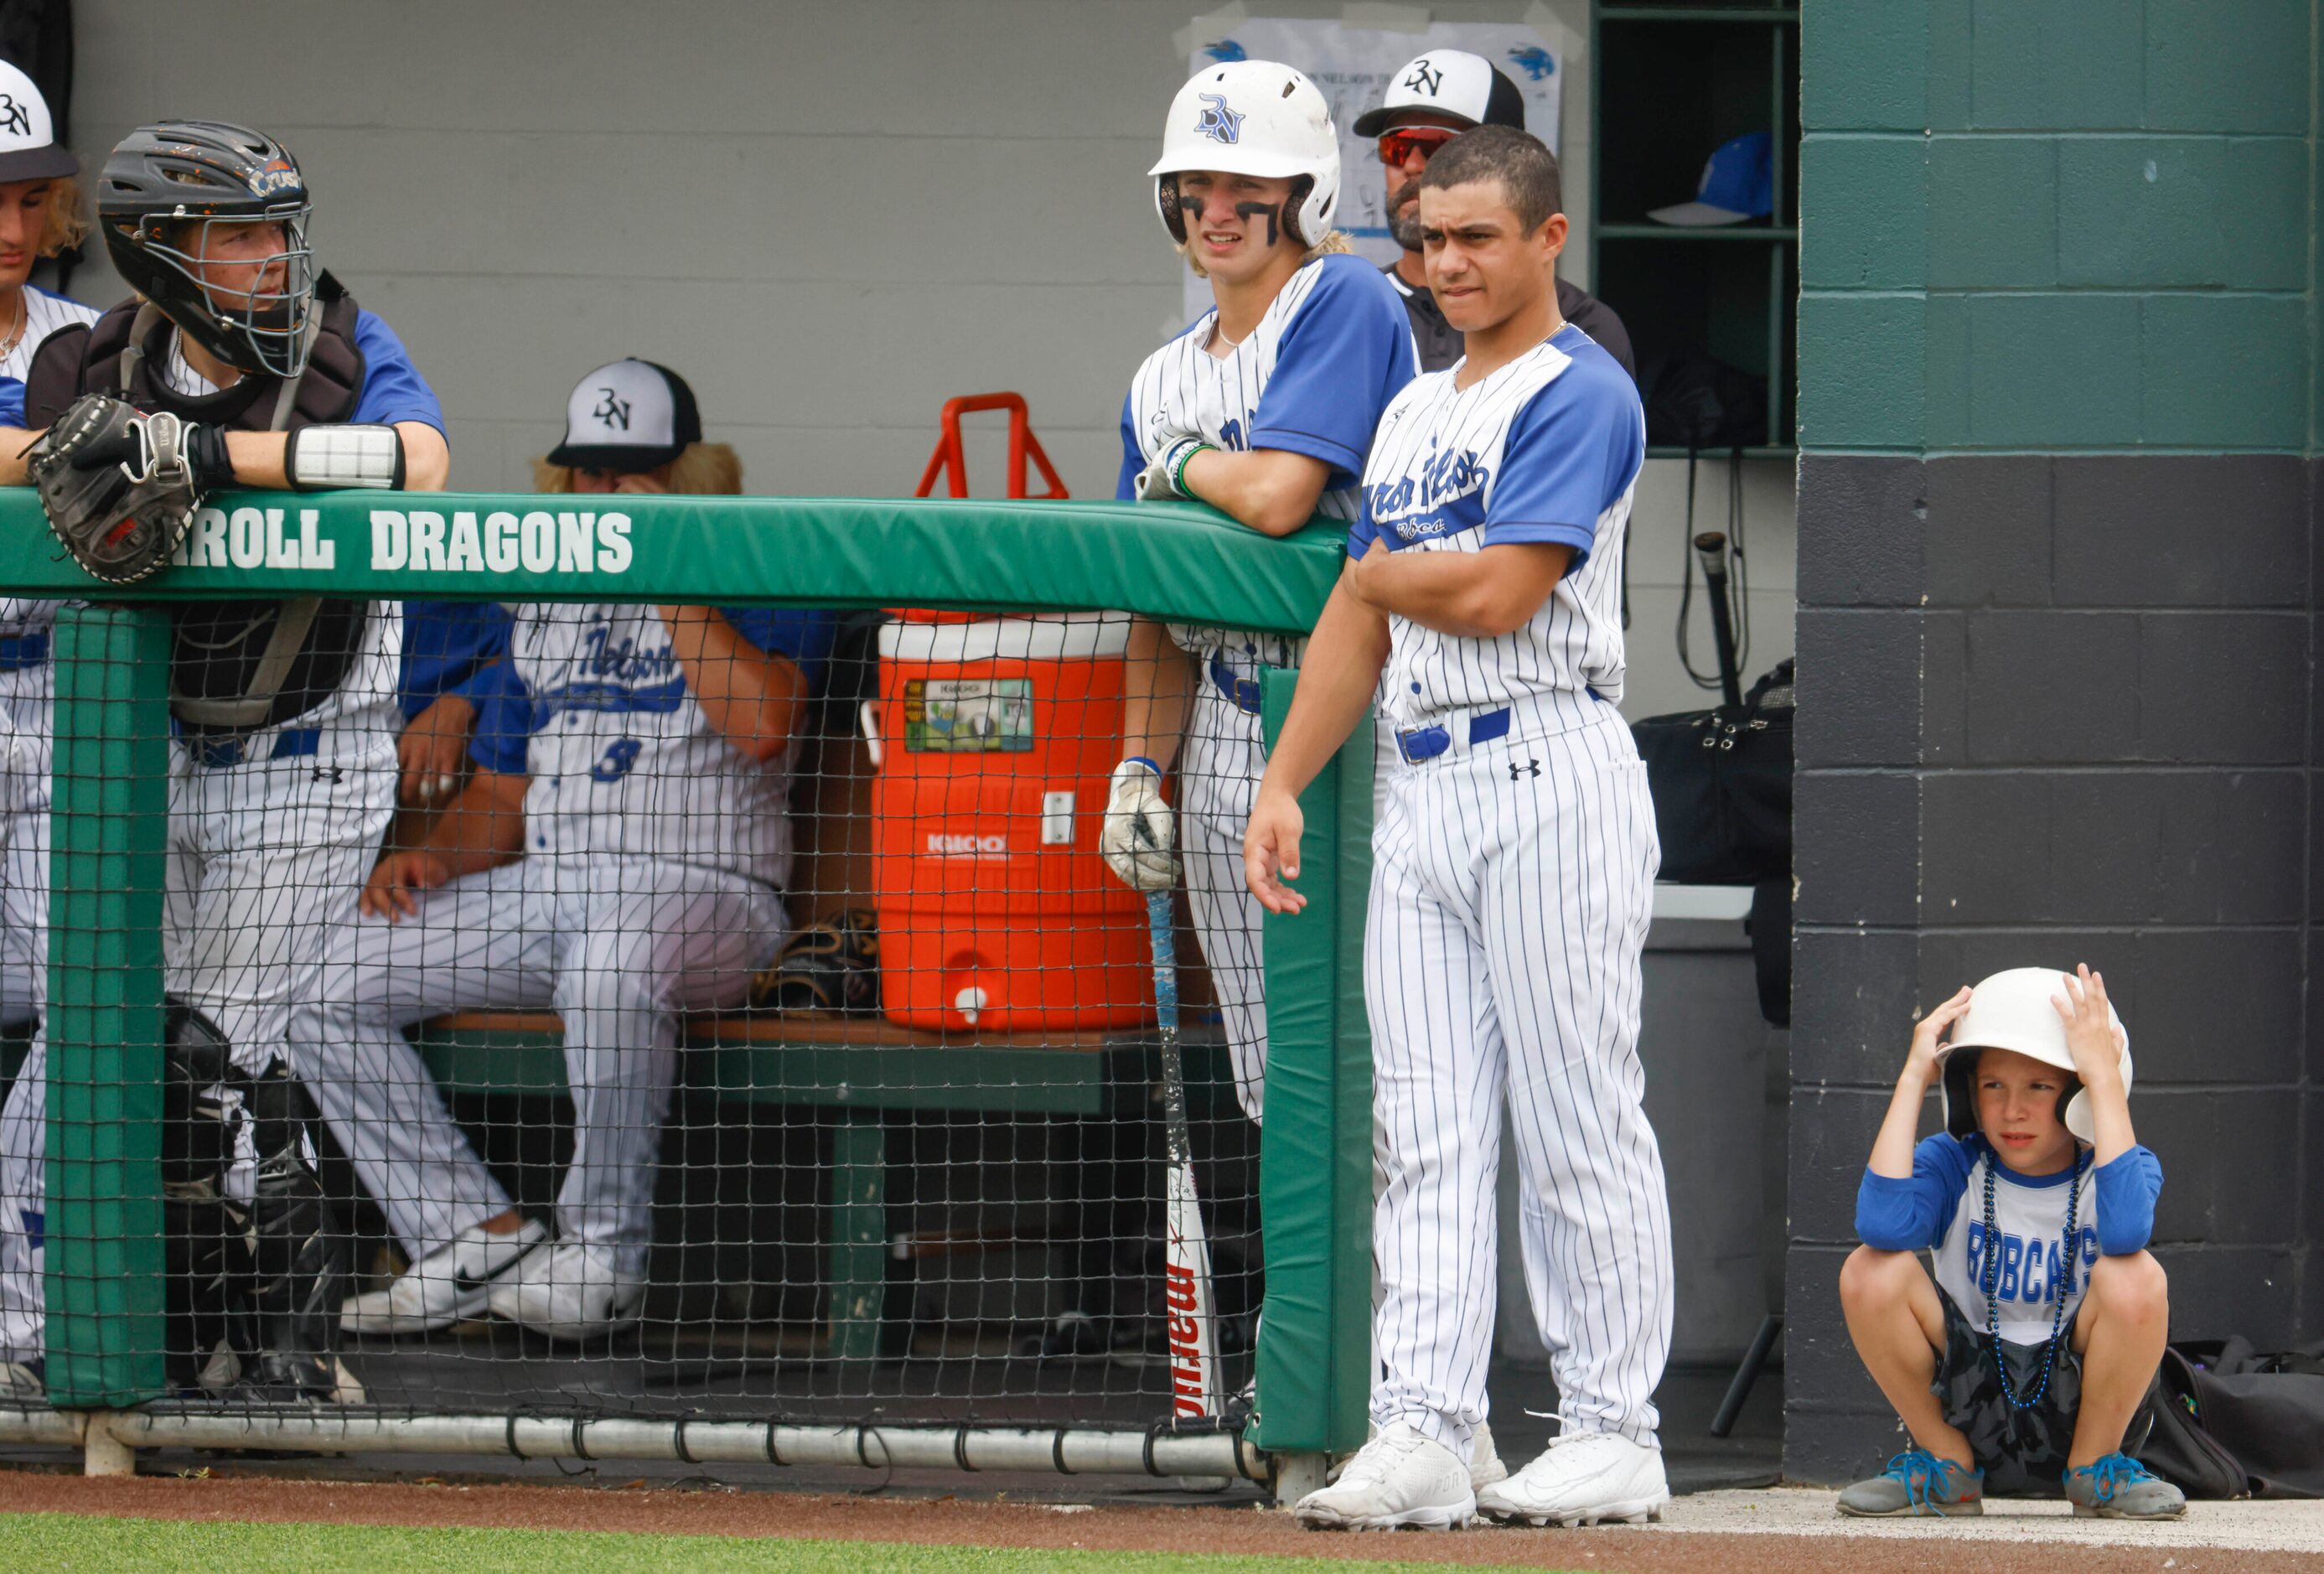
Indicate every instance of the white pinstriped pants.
{"type": "Point", "coordinates": [619, 945]}
{"type": "Point", "coordinates": [1509, 912]}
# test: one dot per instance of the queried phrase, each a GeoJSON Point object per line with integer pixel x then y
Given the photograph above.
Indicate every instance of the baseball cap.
{"type": "Point", "coordinates": [626, 417]}
{"type": "Point", "coordinates": [1452, 82]}
{"type": "Point", "coordinates": [28, 135]}
{"type": "Point", "coordinates": [1738, 182]}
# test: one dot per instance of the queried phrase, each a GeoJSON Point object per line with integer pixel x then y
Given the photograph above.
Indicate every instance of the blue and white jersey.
{"type": "Point", "coordinates": [2026, 1254]}
{"type": "Point", "coordinates": [44, 314]}
{"type": "Point", "coordinates": [1331, 349]}
{"type": "Point", "coordinates": [1547, 448]}
{"type": "Point", "coordinates": [593, 703]}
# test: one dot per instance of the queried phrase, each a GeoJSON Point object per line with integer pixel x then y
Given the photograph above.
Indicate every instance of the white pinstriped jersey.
{"type": "Point", "coordinates": [594, 704]}
{"type": "Point", "coordinates": [1546, 448]}
{"type": "Point", "coordinates": [44, 314]}
{"type": "Point", "coordinates": [1312, 378]}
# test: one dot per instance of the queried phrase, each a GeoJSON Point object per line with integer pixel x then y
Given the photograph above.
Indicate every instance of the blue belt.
{"type": "Point", "coordinates": [1419, 743]}
{"type": "Point", "coordinates": [1242, 691]}
{"type": "Point", "coordinates": [21, 651]}
{"type": "Point", "coordinates": [218, 753]}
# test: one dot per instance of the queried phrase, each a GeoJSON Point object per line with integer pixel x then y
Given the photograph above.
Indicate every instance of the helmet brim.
{"type": "Point", "coordinates": [1235, 161]}
{"type": "Point", "coordinates": [618, 460]}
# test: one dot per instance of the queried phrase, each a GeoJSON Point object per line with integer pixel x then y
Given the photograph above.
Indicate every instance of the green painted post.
{"type": "Point", "coordinates": [858, 1252]}
{"type": "Point", "coordinates": [1315, 1153]}
{"type": "Point", "coordinates": [107, 828]}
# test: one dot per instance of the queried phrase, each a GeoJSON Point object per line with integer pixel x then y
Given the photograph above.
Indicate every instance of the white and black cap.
{"type": "Point", "coordinates": [28, 135]}
{"type": "Point", "coordinates": [1447, 82]}
{"type": "Point", "coordinates": [627, 417]}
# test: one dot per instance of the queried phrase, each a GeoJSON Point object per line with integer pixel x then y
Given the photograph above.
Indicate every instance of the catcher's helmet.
{"type": "Point", "coordinates": [827, 968]}
{"type": "Point", "coordinates": [166, 177]}
{"type": "Point", "coordinates": [2012, 1010]}
{"type": "Point", "coordinates": [1253, 117]}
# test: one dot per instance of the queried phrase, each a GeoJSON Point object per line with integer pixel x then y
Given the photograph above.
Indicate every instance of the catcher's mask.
{"type": "Point", "coordinates": [165, 189]}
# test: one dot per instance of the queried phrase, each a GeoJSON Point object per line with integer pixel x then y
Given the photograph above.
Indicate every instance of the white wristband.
{"type": "Point", "coordinates": [325, 458]}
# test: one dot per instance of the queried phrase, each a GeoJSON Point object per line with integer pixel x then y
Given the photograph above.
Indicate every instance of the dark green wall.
{"type": "Point", "coordinates": [2058, 587]}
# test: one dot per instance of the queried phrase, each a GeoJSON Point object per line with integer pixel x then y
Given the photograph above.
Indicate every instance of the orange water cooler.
{"type": "Point", "coordinates": [993, 741]}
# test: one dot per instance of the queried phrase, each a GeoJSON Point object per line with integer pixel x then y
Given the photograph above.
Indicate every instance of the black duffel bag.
{"type": "Point", "coordinates": [1723, 787]}
{"type": "Point", "coordinates": [2231, 1422]}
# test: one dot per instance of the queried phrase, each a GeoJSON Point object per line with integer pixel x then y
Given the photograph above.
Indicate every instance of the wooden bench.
{"type": "Point", "coordinates": [863, 1069]}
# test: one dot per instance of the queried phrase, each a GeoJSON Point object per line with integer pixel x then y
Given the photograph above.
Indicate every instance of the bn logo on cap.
{"type": "Point", "coordinates": [1219, 122]}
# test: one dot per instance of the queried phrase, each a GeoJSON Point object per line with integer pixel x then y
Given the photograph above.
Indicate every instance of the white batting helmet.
{"type": "Point", "coordinates": [2012, 1010]}
{"type": "Point", "coordinates": [1252, 117]}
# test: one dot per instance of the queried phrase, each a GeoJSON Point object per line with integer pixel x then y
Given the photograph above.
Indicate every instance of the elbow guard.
{"type": "Point", "coordinates": [325, 458]}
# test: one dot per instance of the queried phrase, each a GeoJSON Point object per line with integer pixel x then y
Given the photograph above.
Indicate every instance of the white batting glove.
{"type": "Point", "coordinates": [1137, 834]}
{"type": "Point", "coordinates": [1164, 480]}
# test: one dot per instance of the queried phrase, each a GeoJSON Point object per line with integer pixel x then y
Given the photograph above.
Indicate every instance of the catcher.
{"type": "Point", "coordinates": [235, 365]}
{"type": "Point", "coordinates": [2021, 1359]}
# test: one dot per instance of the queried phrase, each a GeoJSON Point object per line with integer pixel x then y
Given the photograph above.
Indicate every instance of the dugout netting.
{"type": "Point", "coordinates": [748, 940]}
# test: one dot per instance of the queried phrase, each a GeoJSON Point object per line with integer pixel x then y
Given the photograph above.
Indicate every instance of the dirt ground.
{"type": "Point", "coordinates": [956, 1521]}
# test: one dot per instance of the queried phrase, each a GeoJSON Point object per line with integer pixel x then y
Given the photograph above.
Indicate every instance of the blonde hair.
{"type": "Point", "coordinates": [702, 470]}
{"type": "Point", "coordinates": [62, 223]}
{"type": "Point", "coordinates": [1334, 244]}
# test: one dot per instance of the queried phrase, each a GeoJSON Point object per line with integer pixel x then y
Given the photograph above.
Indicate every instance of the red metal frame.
{"type": "Point", "coordinates": [951, 460]}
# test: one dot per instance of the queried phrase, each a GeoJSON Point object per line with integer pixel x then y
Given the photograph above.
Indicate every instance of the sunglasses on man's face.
{"type": "Point", "coordinates": [1396, 147]}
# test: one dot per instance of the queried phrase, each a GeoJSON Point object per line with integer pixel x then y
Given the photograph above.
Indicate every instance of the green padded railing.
{"type": "Point", "coordinates": [1181, 562]}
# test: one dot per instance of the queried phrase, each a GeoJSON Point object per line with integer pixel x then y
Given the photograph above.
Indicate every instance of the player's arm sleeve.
{"type": "Point", "coordinates": [393, 391]}
{"type": "Point", "coordinates": [1346, 353]}
{"type": "Point", "coordinates": [1895, 1215]}
{"type": "Point", "coordinates": [506, 719]}
{"type": "Point", "coordinates": [12, 403]}
{"type": "Point", "coordinates": [2128, 1187]}
{"type": "Point", "coordinates": [447, 645]}
{"type": "Point", "coordinates": [1133, 458]}
{"type": "Point", "coordinates": [802, 634]}
{"type": "Point", "coordinates": [1572, 452]}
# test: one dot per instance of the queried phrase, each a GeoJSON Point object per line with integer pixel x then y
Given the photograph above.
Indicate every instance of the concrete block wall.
{"type": "Point", "coordinates": [2058, 518]}
{"type": "Point", "coordinates": [831, 218]}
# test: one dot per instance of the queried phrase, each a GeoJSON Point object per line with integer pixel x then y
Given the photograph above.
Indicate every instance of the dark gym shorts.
{"type": "Point", "coordinates": [2022, 1452]}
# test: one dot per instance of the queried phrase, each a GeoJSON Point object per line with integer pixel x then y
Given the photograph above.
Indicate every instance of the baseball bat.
{"type": "Point", "coordinates": [1194, 1388]}
{"type": "Point", "coordinates": [1711, 547]}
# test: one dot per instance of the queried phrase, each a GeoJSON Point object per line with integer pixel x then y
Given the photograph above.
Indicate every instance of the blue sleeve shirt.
{"type": "Point", "coordinates": [393, 391]}
{"type": "Point", "coordinates": [1346, 352]}
{"type": "Point", "coordinates": [1914, 1215]}
{"type": "Point", "coordinates": [804, 634]}
{"type": "Point", "coordinates": [447, 645]}
{"type": "Point", "coordinates": [12, 402]}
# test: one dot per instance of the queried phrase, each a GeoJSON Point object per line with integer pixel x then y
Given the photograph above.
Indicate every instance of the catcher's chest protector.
{"type": "Point", "coordinates": [218, 646]}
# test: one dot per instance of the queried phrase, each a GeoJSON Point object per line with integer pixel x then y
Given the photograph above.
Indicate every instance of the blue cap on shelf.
{"type": "Point", "coordinates": [1738, 182]}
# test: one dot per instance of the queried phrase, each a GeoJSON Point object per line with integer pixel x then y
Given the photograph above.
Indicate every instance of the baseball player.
{"type": "Point", "coordinates": [39, 216]}
{"type": "Point", "coordinates": [1514, 858]}
{"type": "Point", "coordinates": [1263, 409]}
{"type": "Point", "coordinates": [2024, 1364]}
{"type": "Point", "coordinates": [619, 856]}
{"type": "Point", "coordinates": [1430, 101]}
{"type": "Point", "coordinates": [281, 759]}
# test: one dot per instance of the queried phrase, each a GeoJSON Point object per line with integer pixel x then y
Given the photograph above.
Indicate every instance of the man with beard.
{"type": "Point", "coordinates": [1431, 101]}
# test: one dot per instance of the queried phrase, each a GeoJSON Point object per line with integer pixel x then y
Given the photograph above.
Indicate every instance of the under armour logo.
{"type": "Point", "coordinates": [612, 410]}
{"type": "Point", "coordinates": [1425, 79]}
{"type": "Point", "coordinates": [1219, 122]}
{"type": "Point", "coordinates": [14, 118]}
{"type": "Point", "coordinates": [334, 773]}
{"type": "Point", "coordinates": [1517, 772]}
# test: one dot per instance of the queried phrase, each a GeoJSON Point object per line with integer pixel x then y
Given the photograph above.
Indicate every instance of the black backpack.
{"type": "Point", "coordinates": [1722, 781]}
{"type": "Point", "coordinates": [2230, 1422]}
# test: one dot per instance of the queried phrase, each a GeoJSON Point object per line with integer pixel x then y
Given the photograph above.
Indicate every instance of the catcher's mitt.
{"type": "Point", "coordinates": [827, 969]}
{"type": "Point", "coordinates": [119, 488]}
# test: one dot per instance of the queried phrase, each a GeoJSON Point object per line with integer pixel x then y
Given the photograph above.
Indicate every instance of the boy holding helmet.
{"type": "Point", "coordinates": [2025, 1362]}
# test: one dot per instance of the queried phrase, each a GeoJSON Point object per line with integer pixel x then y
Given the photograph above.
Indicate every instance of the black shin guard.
{"type": "Point", "coordinates": [205, 1248]}
{"type": "Point", "coordinates": [291, 1308]}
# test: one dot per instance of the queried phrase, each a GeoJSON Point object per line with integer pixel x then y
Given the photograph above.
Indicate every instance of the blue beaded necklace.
{"type": "Point", "coordinates": [1992, 1283]}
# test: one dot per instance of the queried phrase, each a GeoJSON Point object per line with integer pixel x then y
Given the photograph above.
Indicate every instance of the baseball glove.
{"type": "Point", "coordinates": [120, 488]}
{"type": "Point", "coordinates": [825, 970]}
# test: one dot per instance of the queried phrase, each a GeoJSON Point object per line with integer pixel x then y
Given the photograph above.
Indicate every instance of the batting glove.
{"type": "Point", "coordinates": [1137, 834]}
{"type": "Point", "coordinates": [1166, 478]}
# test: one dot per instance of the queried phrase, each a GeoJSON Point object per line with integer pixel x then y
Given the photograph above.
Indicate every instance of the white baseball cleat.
{"type": "Point", "coordinates": [1485, 1467]}
{"type": "Point", "coordinates": [20, 1382]}
{"type": "Point", "coordinates": [449, 1284]}
{"type": "Point", "coordinates": [1583, 1479]}
{"type": "Point", "coordinates": [570, 1291]}
{"type": "Point", "coordinates": [1399, 1478]}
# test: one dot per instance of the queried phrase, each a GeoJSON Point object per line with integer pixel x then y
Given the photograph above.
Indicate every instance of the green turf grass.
{"type": "Point", "coordinates": [69, 1544]}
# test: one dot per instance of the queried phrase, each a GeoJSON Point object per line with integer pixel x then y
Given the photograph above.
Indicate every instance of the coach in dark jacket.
{"type": "Point", "coordinates": [1429, 102]}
